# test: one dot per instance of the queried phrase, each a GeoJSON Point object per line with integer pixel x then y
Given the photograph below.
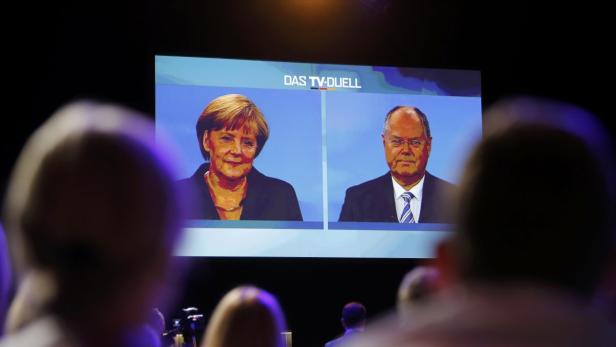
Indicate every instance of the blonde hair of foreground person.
{"type": "Point", "coordinates": [93, 213]}
{"type": "Point", "coordinates": [246, 317]}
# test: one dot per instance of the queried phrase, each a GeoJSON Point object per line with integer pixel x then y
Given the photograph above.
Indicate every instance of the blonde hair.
{"type": "Point", "coordinates": [232, 111]}
{"type": "Point", "coordinates": [417, 286]}
{"type": "Point", "coordinates": [246, 317]}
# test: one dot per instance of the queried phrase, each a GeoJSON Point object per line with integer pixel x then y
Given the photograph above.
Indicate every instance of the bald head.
{"type": "Point", "coordinates": [399, 113]}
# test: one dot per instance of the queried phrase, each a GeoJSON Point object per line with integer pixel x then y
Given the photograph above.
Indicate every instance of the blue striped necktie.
{"type": "Point", "coordinates": [407, 215]}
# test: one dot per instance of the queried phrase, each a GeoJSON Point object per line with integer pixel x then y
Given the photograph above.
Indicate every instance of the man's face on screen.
{"type": "Point", "coordinates": [231, 151]}
{"type": "Point", "coordinates": [407, 147]}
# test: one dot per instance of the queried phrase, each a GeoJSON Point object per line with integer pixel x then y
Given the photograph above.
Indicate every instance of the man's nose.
{"type": "Point", "coordinates": [406, 147]}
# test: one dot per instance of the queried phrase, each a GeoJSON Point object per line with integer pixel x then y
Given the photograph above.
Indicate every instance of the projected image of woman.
{"type": "Point", "coordinates": [231, 132]}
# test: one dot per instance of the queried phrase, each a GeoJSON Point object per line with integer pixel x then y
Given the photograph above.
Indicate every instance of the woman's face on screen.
{"type": "Point", "coordinates": [231, 151]}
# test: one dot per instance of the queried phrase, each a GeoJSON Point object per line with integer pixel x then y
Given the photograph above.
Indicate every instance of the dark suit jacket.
{"type": "Point", "coordinates": [373, 201]}
{"type": "Point", "coordinates": [267, 198]}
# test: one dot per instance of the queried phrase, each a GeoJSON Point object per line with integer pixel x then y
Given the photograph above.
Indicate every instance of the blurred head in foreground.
{"type": "Point", "coordinates": [92, 216]}
{"type": "Point", "coordinates": [417, 286]}
{"type": "Point", "coordinates": [246, 317]}
{"type": "Point", "coordinates": [535, 203]}
{"type": "Point", "coordinates": [5, 277]}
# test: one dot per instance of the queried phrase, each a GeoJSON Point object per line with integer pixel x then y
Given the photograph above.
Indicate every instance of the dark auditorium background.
{"type": "Point", "coordinates": [58, 51]}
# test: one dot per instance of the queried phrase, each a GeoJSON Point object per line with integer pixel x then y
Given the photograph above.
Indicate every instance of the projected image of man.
{"type": "Point", "coordinates": [407, 193]}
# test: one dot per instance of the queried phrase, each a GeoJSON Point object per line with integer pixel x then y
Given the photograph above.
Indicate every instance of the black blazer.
{"type": "Point", "coordinates": [267, 198]}
{"type": "Point", "coordinates": [373, 201]}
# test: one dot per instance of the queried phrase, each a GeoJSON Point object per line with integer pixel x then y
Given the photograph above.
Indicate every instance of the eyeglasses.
{"type": "Point", "coordinates": [399, 142]}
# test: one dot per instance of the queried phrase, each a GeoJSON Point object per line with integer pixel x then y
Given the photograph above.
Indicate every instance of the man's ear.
{"type": "Point", "coordinates": [447, 263]}
{"type": "Point", "coordinates": [429, 145]}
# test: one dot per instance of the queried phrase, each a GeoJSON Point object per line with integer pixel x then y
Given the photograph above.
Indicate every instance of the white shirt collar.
{"type": "Point", "coordinates": [415, 202]}
{"type": "Point", "coordinates": [417, 189]}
